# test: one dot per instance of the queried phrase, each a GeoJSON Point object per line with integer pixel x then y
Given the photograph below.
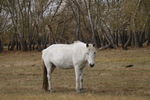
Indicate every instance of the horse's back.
{"type": "Point", "coordinates": [56, 49]}
{"type": "Point", "coordinates": [59, 54]}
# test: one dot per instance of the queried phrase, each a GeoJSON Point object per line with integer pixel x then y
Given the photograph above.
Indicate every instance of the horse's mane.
{"type": "Point", "coordinates": [77, 42]}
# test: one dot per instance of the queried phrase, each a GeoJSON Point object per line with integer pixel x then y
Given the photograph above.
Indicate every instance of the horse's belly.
{"type": "Point", "coordinates": [63, 62]}
{"type": "Point", "coordinates": [63, 65]}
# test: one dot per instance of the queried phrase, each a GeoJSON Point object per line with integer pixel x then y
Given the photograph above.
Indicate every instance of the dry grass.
{"type": "Point", "coordinates": [21, 77]}
{"type": "Point", "coordinates": [69, 97]}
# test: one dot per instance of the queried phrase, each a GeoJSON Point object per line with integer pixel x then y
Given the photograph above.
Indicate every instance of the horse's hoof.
{"type": "Point", "coordinates": [78, 91]}
{"type": "Point", "coordinates": [81, 89]}
{"type": "Point", "coordinates": [51, 91]}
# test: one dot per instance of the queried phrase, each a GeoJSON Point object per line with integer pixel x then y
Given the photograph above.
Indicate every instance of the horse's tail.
{"type": "Point", "coordinates": [45, 80]}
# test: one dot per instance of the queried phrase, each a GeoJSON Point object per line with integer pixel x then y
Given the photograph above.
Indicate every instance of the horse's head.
{"type": "Point", "coordinates": [91, 54]}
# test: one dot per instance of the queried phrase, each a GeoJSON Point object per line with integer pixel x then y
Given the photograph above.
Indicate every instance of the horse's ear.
{"type": "Point", "coordinates": [93, 45]}
{"type": "Point", "coordinates": [87, 45]}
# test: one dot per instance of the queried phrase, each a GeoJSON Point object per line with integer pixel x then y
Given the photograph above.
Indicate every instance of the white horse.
{"type": "Point", "coordinates": [75, 55]}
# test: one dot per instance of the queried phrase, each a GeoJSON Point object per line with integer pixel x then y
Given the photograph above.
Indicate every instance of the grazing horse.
{"type": "Point", "coordinates": [75, 55]}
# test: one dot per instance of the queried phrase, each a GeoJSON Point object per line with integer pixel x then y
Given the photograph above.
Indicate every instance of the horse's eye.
{"type": "Point", "coordinates": [94, 53]}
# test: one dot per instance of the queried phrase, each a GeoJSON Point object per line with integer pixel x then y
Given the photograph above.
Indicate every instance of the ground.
{"type": "Point", "coordinates": [118, 75]}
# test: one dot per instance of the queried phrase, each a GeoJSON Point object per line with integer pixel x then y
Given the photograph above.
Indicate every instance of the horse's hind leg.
{"type": "Point", "coordinates": [50, 68]}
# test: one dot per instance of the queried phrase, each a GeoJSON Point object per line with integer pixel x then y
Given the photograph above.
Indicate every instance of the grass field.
{"type": "Point", "coordinates": [110, 79]}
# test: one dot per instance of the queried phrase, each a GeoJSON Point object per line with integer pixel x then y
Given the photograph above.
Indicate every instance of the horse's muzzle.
{"type": "Point", "coordinates": [92, 65]}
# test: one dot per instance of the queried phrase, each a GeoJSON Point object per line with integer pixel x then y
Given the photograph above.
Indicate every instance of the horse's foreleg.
{"type": "Point", "coordinates": [77, 75]}
{"type": "Point", "coordinates": [81, 79]}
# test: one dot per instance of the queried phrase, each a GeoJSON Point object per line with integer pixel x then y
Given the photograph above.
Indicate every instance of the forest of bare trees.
{"type": "Point", "coordinates": [35, 24]}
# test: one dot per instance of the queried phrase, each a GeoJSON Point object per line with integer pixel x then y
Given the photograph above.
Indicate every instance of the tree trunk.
{"type": "Point", "coordinates": [1, 46]}
{"type": "Point", "coordinates": [125, 47]}
{"type": "Point", "coordinates": [24, 45]}
{"type": "Point", "coordinates": [11, 45]}
{"type": "Point", "coordinates": [136, 39]}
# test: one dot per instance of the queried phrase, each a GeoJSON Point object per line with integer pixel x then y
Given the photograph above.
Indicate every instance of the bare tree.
{"type": "Point", "coordinates": [108, 24]}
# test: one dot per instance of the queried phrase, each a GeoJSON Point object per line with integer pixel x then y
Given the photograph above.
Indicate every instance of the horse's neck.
{"type": "Point", "coordinates": [80, 48]}
{"type": "Point", "coordinates": [79, 44]}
